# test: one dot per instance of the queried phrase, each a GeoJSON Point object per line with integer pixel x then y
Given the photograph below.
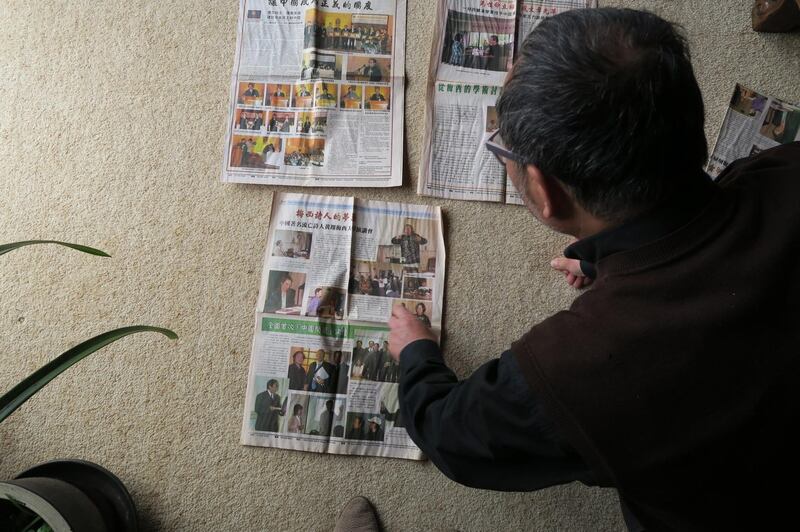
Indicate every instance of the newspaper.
{"type": "Point", "coordinates": [753, 123]}
{"type": "Point", "coordinates": [321, 378]}
{"type": "Point", "coordinates": [317, 94]}
{"type": "Point", "coordinates": [471, 56]}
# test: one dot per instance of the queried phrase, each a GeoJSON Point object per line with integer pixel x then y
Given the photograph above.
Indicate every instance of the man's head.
{"type": "Point", "coordinates": [372, 62]}
{"type": "Point", "coordinates": [604, 111]}
{"type": "Point", "coordinates": [286, 283]}
{"type": "Point", "coordinates": [318, 292]}
{"type": "Point", "coordinates": [272, 385]}
{"type": "Point", "coordinates": [250, 86]}
{"type": "Point", "coordinates": [493, 40]}
{"type": "Point", "coordinates": [420, 309]}
{"type": "Point", "coordinates": [298, 357]}
{"type": "Point", "coordinates": [329, 405]}
{"type": "Point", "coordinates": [408, 229]}
{"type": "Point", "coordinates": [320, 355]}
{"type": "Point", "coordinates": [359, 343]}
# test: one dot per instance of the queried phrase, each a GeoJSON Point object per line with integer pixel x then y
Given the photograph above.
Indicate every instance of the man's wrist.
{"type": "Point", "coordinates": [418, 350]}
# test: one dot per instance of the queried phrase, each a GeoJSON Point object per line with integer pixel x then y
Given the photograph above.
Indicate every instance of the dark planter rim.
{"type": "Point", "coordinates": [104, 488]}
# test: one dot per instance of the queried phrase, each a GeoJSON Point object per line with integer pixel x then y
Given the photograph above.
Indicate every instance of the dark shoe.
{"type": "Point", "coordinates": [357, 515]}
{"type": "Point", "coordinates": [775, 16]}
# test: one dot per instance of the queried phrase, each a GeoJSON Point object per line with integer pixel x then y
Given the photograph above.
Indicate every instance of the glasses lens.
{"type": "Point", "coordinates": [495, 145]}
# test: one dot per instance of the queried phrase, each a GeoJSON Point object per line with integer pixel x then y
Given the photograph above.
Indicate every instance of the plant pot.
{"type": "Point", "coordinates": [69, 495]}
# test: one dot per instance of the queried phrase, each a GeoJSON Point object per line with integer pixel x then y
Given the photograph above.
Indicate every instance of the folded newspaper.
{"type": "Point", "coordinates": [473, 49]}
{"type": "Point", "coordinates": [333, 269]}
{"type": "Point", "coordinates": [317, 94]}
{"type": "Point", "coordinates": [753, 123]}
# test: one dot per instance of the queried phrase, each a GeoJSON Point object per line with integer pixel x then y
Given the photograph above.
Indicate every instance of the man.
{"type": "Point", "coordinates": [268, 408]}
{"type": "Point", "coordinates": [243, 120]}
{"type": "Point", "coordinates": [351, 95]}
{"type": "Point", "coordinates": [356, 430]}
{"type": "Point", "coordinates": [491, 54]}
{"type": "Point", "coordinates": [251, 91]}
{"type": "Point", "coordinates": [390, 372]}
{"type": "Point", "coordinates": [319, 374]}
{"type": "Point", "coordinates": [297, 374]}
{"type": "Point", "coordinates": [409, 243]}
{"type": "Point", "coordinates": [371, 71]}
{"type": "Point", "coordinates": [326, 94]}
{"type": "Point", "coordinates": [377, 96]}
{"type": "Point", "coordinates": [359, 352]}
{"type": "Point", "coordinates": [673, 379]}
{"type": "Point", "coordinates": [313, 303]}
{"type": "Point", "coordinates": [326, 419]}
{"type": "Point", "coordinates": [341, 373]}
{"type": "Point", "coordinates": [374, 430]}
{"type": "Point", "coordinates": [282, 298]}
{"type": "Point", "coordinates": [244, 146]}
{"type": "Point", "coordinates": [374, 362]}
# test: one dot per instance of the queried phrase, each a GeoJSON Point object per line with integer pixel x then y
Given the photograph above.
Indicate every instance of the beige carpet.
{"type": "Point", "coordinates": [112, 119]}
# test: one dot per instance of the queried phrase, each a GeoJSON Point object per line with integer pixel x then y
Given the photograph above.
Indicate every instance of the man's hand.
{"type": "Point", "coordinates": [404, 329]}
{"type": "Point", "coordinates": [571, 268]}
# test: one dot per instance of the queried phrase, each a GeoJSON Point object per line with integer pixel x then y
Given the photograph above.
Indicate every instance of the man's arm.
{"type": "Point", "coordinates": [487, 431]}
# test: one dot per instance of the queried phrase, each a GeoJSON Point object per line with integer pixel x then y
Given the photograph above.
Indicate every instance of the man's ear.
{"type": "Point", "coordinates": [548, 194]}
{"type": "Point", "coordinates": [539, 190]}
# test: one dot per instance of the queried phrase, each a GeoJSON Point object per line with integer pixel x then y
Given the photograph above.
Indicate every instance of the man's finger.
{"type": "Point", "coordinates": [399, 310]}
{"type": "Point", "coordinates": [564, 264]}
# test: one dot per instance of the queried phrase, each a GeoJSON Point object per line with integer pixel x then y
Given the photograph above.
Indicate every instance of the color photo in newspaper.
{"type": "Point", "coordinates": [753, 123]}
{"type": "Point", "coordinates": [321, 378]}
{"type": "Point", "coordinates": [471, 56]}
{"type": "Point", "coordinates": [317, 94]}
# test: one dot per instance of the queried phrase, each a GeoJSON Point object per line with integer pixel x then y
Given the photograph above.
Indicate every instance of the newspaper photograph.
{"type": "Point", "coordinates": [317, 94]}
{"type": "Point", "coordinates": [754, 122]}
{"type": "Point", "coordinates": [470, 59]}
{"type": "Point", "coordinates": [321, 378]}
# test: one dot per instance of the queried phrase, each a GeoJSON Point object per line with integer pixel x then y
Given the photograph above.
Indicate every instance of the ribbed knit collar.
{"type": "Point", "coordinates": [679, 210]}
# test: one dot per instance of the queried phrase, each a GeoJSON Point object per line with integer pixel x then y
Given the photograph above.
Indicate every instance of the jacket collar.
{"type": "Point", "coordinates": [683, 206]}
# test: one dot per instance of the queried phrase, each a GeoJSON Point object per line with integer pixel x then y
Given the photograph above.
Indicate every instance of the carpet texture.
{"type": "Point", "coordinates": [112, 118]}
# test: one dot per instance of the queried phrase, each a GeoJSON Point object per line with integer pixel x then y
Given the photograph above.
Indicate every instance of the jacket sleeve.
{"type": "Point", "coordinates": [487, 431]}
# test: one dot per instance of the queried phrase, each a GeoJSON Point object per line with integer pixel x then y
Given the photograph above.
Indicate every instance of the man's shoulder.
{"type": "Point", "coordinates": [775, 167]}
{"type": "Point", "coordinates": [562, 339]}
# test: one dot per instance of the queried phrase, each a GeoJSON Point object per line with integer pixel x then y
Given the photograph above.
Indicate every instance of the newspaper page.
{"type": "Point", "coordinates": [317, 94]}
{"type": "Point", "coordinates": [753, 123]}
{"type": "Point", "coordinates": [471, 56]}
{"type": "Point", "coordinates": [321, 378]}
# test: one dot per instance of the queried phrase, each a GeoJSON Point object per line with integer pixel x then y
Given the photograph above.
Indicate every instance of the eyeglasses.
{"type": "Point", "coordinates": [495, 145]}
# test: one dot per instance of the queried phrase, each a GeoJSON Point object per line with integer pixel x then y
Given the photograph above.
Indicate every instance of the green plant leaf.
{"type": "Point", "coordinates": [5, 248]}
{"type": "Point", "coordinates": [39, 378]}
